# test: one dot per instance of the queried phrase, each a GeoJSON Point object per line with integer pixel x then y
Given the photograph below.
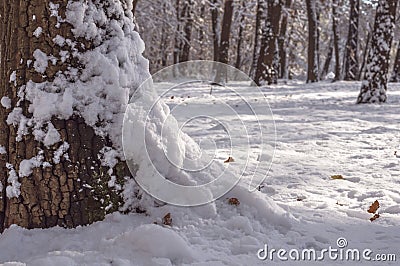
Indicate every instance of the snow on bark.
{"type": "Point", "coordinates": [374, 85]}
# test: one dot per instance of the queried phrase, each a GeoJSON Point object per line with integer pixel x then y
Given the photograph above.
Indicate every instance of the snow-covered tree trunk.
{"type": "Point", "coordinates": [67, 69]}
{"type": "Point", "coordinates": [351, 54]}
{"type": "Point", "coordinates": [242, 26]}
{"type": "Point", "coordinates": [396, 68]}
{"type": "Point", "coordinates": [215, 4]}
{"type": "Point", "coordinates": [374, 85]}
{"type": "Point", "coordinates": [313, 66]}
{"type": "Point", "coordinates": [187, 20]}
{"type": "Point", "coordinates": [267, 71]}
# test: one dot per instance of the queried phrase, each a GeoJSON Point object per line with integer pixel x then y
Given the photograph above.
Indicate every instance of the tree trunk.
{"type": "Point", "coordinates": [266, 71]}
{"type": "Point", "coordinates": [312, 71]}
{"type": "Point", "coordinates": [282, 43]}
{"type": "Point", "coordinates": [187, 21]}
{"type": "Point", "coordinates": [396, 68]}
{"type": "Point", "coordinates": [225, 38]}
{"type": "Point", "coordinates": [365, 55]}
{"type": "Point", "coordinates": [177, 46]}
{"type": "Point", "coordinates": [214, 25]}
{"type": "Point", "coordinates": [328, 60]}
{"type": "Point", "coordinates": [261, 10]}
{"type": "Point", "coordinates": [351, 55]}
{"type": "Point", "coordinates": [238, 63]}
{"type": "Point", "coordinates": [73, 189]}
{"type": "Point", "coordinates": [336, 40]}
{"type": "Point", "coordinates": [374, 85]}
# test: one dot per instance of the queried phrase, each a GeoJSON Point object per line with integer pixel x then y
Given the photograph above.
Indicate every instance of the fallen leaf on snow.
{"type": "Point", "coordinates": [229, 160]}
{"type": "Point", "coordinates": [337, 177]}
{"type": "Point", "coordinates": [167, 220]}
{"type": "Point", "coordinates": [374, 207]}
{"type": "Point", "coordinates": [234, 201]}
{"type": "Point", "coordinates": [373, 218]}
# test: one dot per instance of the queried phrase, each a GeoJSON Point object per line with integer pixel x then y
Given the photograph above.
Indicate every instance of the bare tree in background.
{"type": "Point", "coordinates": [313, 51]}
{"type": "Point", "coordinates": [336, 40]}
{"type": "Point", "coordinates": [396, 68]}
{"type": "Point", "coordinates": [351, 54]}
{"type": "Point", "coordinates": [267, 71]}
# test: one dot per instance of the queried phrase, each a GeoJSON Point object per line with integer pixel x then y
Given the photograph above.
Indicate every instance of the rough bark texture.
{"type": "Point", "coordinates": [374, 85]}
{"type": "Point", "coordinates": [351, 55]}
{"type": "Point", "coordinates": [396, 68]}
{"type": "Point", "coordinates": [312, 71]}
{"type": "Point", "coordinates": [267, 71]}
{"type": "Point", "coordinates": [328, 60]}
{"type": "Point", "coordinates": [64, 194]}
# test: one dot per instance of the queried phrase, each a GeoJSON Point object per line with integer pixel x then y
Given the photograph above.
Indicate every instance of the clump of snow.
{"type": "Point", "coordinates": [2, 150]}
{"type": "Point", "coordinates": [13, 190]}
{"type": "Point", "coordinates": [26, 166]}
{"type": "Point", "coordinates": [13, 77]}
{"type": "Point", "coordinates": [52, 136]}
{"type": "Point", "coordinates": [157, 241]}
{"type": "Point", "coordinates": [41, 61]}
{"type": "Point", "coordinates": [38, 32]}
{"type": "Point", "coordinates": [6, 102]}
{"type": "Point", "coordinates": [60, 152]}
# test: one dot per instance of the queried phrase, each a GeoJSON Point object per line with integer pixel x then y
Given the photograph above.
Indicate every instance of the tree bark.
{"type": "Point", "coordinates": [336, 40]}
{"type": "Point", "coordinates": [267, 71]}
{"type": "Point", "coordinates": [225, 39]}
{"type": "Point", "coordinates": [67, 193]}
{"type": "Point", "coordinates": [328, 60]}
{"type": "Point", "coordinates": [313, 51]}
{"type": "Point", "coordinates": [282, 42]}
{"type": "Point", "coordinates": [187, 21]}
{"type": "Point", "coordinates": [351, 55]}
{"type": "Point", "coordinates": [238, 62]}
{"type": "Point", "coordinates": [261, 10]}
{"type": "Point", "coordinates": [374, 85]}
{"type": "Point", "coordinates": [396, 68]}
{"type": "Point", "coordinates": [214, 25]}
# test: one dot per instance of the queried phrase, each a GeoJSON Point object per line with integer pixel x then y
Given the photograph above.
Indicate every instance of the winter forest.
{"type": "Point", "coordinates": [199, 132]}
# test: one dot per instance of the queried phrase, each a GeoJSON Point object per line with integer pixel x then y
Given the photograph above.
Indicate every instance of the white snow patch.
{"type": "Point", "coordinates": [13, 190]}
{"type": "Point", "coordinates": [38, 32]}
{"type": "Point", "coordinates": [60, 152]}
{"type": "Point", "coordinates": [41, 61]}
{"type": "Point", "coordinates": [13, 78]}
{"type": "Point", "coordinates": [2, 150]}
{"type": "Point", "coordinates": [26, 166]}
{"type": "Point", "coordinates": [6, 102]}
{"type": "Point", "coordinates": [52, 136]}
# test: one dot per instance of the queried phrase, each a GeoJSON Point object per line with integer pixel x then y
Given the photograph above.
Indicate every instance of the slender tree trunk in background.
{"type": "Point", "coordinates": [261, 10]}
{"type": "Point", "coordinates": [365, 55]}
{"type": "Point", "coordinates": [283, 40]}
{"type": "Point", "coordinates": [336, 40]}
{"type": "Point", "coordinates": [178, 40]}
{"type": "Point", "coordinates": [396, 68]}
{"type": "Point", "coordinates": [187, 19]}
{"type": "Point", "coordinates": [65, 193]}
{"type": "Point", "coordinates": [238, 63]}
{"type": "Point", "coordinates": [351, 54]}
{"type": "Point", "coordinates": [225, 38]}
{"type": "Point", "coordinates": [328, 60]}
{"type": "Point", "coordinates": [202, 32]}
{"type": "Point", "coordinates": [374, 85]}
{"type": "Point", "coordinates": [312, 71]}
{"type": "Point", "coordinates": [214, 25]}
{"type": "Point", "coordinates": [266, 71]}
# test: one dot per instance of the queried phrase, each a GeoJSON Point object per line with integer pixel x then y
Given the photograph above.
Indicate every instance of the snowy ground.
{"type": "Point", "coordinates": [320, 132]}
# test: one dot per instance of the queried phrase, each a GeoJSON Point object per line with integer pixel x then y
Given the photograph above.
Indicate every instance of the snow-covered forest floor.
{"type": "Point", "coordinates": [321, 132]}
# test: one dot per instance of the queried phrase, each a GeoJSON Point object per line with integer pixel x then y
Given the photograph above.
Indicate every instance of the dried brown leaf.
{"type": "Point", "coordinates": [374, 207]}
